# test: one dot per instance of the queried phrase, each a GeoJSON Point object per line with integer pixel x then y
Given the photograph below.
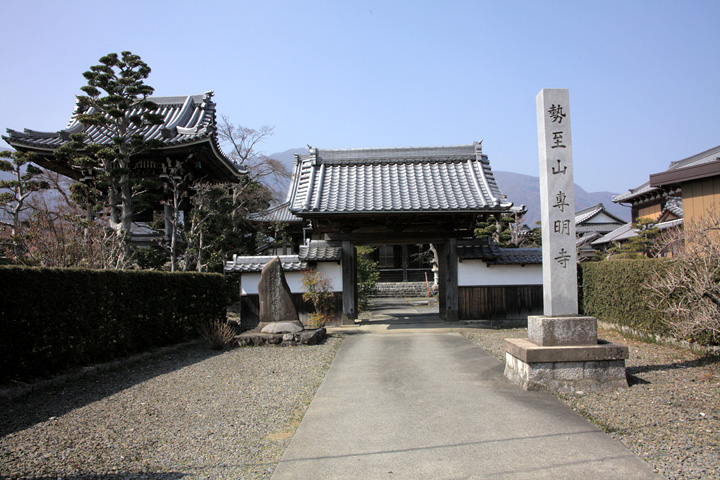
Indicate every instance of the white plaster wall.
{"type": "Point", "coordinates": [473, 273]}
{"type": "Point", "coordinates": [331, 270]}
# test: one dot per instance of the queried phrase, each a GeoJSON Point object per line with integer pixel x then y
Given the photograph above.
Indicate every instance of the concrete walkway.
{"type": "Point", "coordinates": [428, 403]}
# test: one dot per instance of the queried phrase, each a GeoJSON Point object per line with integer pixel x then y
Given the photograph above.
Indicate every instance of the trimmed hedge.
{"type": "Point", "coordinates": [612, 291]}
{"type": "Point", "coordinates": [52, 319]}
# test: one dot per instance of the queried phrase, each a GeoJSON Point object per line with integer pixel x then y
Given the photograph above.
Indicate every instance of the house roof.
{"type": "Point", "coordinates": [493, 254]}
{"type": "Point", "coordinates": [686, 174]}
{"type": "Point", "coordinates": [315, 251]}
{"type": "Point", "coordinates": [598, 213]}
{"type": "Point", "coordinates": [280, 213]}
{"type": "Point", "coordinates": [650, 187]}
{"type": "Point", "coordinates": [320, 251]}
{"type": "Point", "coordinates": [673, 206]}
{"type": "Point", "coordinates": [188, 120]}
{"type": "Point", "coordinates": [253, 264]}
{"type": "Point", "coordinates": [395, 180]}
{"type": "Point", "coordinates": [596, 219]}
{"type": "Point", "coordinates": [621, 233]}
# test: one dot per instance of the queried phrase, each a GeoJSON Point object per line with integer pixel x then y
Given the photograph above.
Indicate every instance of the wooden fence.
{"type": "Point", "coordinates": [507, 302]}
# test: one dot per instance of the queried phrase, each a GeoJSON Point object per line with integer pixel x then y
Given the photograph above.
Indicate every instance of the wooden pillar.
{"type": "Point", "coordinates": [450, 275]}
{"type": "Point", "coordinates": [405, 262]}
{"type": "Point", "coordinates": [442, 284]}
{"type": "Point", "coordinates": [349, 283]}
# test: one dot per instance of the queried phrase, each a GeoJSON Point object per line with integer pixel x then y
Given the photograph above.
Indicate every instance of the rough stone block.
{"type": "Point", "coordinates": [313, 337]}
{"type": "Point", "coordinates": [282, 327]}
{"type": "Point", "coordinates": [561, 331]}
{"type": "Point", "coordinates": [540, 372]}
{"type": "Point", "coordinates": [565, 375]}
{"type": "Point", "coordinates": [568, 371]}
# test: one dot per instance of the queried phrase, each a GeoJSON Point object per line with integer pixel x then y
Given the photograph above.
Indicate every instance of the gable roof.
{"type": "Point", "coordinates": [596, 219]}
{"type": "Point", "coordinates": [395, 180]}
{"type": "Point", "coordinates": [188, 120]}
{"type": "Point", "coordinates": [597, 212]}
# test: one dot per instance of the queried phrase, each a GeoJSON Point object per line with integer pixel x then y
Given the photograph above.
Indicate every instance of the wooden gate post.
{"type": "Point", "coordinates": [349, 283]}
{"type": "Point", "coordinates": [442, 284]}
{"type": "Point", "coordinates": [450, 275]}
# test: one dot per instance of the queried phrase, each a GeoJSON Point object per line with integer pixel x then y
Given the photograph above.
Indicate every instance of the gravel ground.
{"type": "Point", "coordinates": [192, 413]}
{"type": "Point", "coordinates": [195, 413]}
{"type": "Point", "coordinates": [670, 415]}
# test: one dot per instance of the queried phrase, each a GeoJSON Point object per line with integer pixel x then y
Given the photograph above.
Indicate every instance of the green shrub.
{"type": "Point", "coordinates": [367, 276]}
{"type": "Point", "coordinates": [53, 319]}
{"type": "Point", "coordinates": [613, 292]}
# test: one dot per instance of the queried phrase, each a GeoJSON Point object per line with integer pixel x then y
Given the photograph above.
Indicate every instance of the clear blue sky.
{"type": "Point", "coordinates": [644, 76]}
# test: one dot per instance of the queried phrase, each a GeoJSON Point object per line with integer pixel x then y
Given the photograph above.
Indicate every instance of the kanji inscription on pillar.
{"type": "Point", "coordinates": [557, 203]}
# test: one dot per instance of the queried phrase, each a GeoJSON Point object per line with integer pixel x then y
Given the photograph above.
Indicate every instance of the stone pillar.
{"type": "Point", "coordinates": [562, 351]}
{"type": "Point", "coordinates": [349, 286]}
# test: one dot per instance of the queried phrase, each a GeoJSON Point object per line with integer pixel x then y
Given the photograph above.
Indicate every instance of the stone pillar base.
{"type": "Point", "coordinates": [588, 368]}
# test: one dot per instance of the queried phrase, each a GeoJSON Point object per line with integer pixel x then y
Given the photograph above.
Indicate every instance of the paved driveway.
{"type": "Point", "coordinates": [428, 403]}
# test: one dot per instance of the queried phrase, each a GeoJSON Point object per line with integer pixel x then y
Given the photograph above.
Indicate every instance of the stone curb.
{"type": "Point", "coordinates": [10, 393]}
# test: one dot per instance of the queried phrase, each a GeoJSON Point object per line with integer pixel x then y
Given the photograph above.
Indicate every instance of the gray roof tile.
{"type": "Point", "coordinates": [496, 255]}
{"type": "Point", "coordinates": [281, 214]}
{"type": "Point", "coordinates": [290, 263]}
{"type": "Point", "coordinates": [319, 251]}
{"type": "Point", "coordinates": [423, 179]}
{"type": "Point", "coordinates": [187, 120]}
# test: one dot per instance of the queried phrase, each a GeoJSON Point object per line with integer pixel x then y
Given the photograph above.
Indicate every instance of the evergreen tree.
{"type": "Point", "coordinates": [115, 105]}
{"type": "Point", "coordinates": [14, 201]}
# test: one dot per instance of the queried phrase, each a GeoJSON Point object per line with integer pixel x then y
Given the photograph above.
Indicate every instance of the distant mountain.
{"type": "Point", "coordinates": [286, 158]}
{"type": "Point", "coordinates": [520, 189]}
{"type": "Point", "coordinates": [525, 190]}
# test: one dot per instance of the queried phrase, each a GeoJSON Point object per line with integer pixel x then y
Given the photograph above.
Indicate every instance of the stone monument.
{"type": "Point", "coordinates": [562, 351]}
{"type": "Point", "coordinates": [276, 303]}
{"type": "Point", "coordinates": [279, 321]}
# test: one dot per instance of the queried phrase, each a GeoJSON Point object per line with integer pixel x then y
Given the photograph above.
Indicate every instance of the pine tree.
{"type": "Point", "coordinates": [24, 183]}
{"type": "Point", "coordinates": [116, 106]}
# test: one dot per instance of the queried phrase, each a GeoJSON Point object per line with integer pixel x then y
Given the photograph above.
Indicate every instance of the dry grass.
{"type": "Point", "coordinates": [218, 333]}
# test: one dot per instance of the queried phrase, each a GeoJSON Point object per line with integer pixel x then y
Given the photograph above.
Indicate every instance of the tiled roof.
{"type": "Point", "coordinates": [315, 251]}
{"type": "Point", "coordinates": [493, 254]}
{"type": "Point", "coordinates": [698, 159]}
{"type": "Point", "coordinates": [281, 214]}
{"type": "Point", "coordinates": [290, 263]}
{"type": "Point", "coordinates": [319, 251]}
{"type": "Point", "coordinates": [597, 227]}
{"type": "Point", "coordinates": [621, 233]}
{"type": "Point", "coordinates": [187, 120]}
{"type": "Point", "coordinates": [395, 180]}
{"type": "Point", "coordinates": [586, 239]}
{"type": "Point", "coordinates": [674, 205]}
{"type": "Point", "coordinates": [669, 224]}
{"type": "Point", "coordinates": [590, 212]}
{"type": "Point", "coordinates": [635, 192]}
